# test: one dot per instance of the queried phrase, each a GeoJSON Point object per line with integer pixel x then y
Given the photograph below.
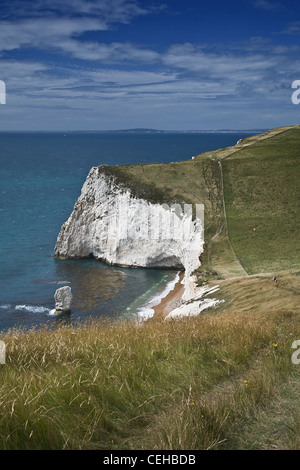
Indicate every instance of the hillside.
{"type": "Point", "coordinates": [221, 380]}
{"type": "Point", "coordinates": [262, 194]}
{"type": "Point", "coordinates": [251, 197]}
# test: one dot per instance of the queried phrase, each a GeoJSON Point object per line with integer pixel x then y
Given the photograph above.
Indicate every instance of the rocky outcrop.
{"type": "Point", "coordinates": [63, 299]}
{"type": "Point", "coordinates": [111, 224]}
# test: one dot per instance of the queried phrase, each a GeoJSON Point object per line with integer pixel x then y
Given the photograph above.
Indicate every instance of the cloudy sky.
{"type": "Point", "coordinates": [174, 64]}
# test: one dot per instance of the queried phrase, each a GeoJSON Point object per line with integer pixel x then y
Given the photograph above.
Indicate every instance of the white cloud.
{"type": "Point", "coordinates": [44, 33]}
{"type": "Point", "coordinates": [108, 53]}
{"type": "Point", "coordinates": [56, 25]}
{"type": "Point", "coordinates": [118, 77]}
{"type": "Point", "coordinates": [123, 78]}
{"type": "Point", "coordinates": [293, 28]}
{"type": "Point", "coordinates": [224, 65]}
{"type": "Point", "coordinates": [109, 11]}
{"type": "Point", "coordinates": [184, 72]}
{"type": "Point", "coordinates": [268, 5]}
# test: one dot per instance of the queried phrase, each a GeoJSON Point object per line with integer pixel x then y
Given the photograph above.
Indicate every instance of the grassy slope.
{"type": "Point", "coordinates": [217, 381]}
{"type": "Point", "coordinates": [262, 194]}
{"type": "Point", "coordinates": [253, 185]}
{"type": "Point", "coordinates": [197, 181]}
{"type": "Point", "coordinates": [223, 380]}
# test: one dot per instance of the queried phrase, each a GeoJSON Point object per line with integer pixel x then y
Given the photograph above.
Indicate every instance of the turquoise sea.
{"type": "Point", "coordinates": [41, 175]}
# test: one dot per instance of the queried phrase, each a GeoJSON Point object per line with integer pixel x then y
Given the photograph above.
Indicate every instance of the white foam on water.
{"type": "Point", "coordinates": [146, 311]}
{"type": "Point", "coordinates": [60, 282]}
{"type": "Point", "coordinates": [5, 306]}
{"type": "Point", "coordinates": [32, 308]}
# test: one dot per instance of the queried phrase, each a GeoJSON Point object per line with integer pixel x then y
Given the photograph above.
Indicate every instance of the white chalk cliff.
{"type": "Point", "coordinates": [111, 224]}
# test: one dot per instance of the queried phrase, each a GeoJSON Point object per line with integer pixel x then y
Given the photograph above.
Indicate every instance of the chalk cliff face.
{"type": "Point", "coordinates": [112, 225]}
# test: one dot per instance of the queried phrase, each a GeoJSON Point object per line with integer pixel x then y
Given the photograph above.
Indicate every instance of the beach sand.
{"type": "Point", "coordinates": [171, 301]}
{"type": "Point", "coordinates": [172, 306]}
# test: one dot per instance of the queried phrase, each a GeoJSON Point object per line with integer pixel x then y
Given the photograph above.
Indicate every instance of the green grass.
{"type": "Point", "coordinates": [250, 194]}
{"type": "Point", "coordinates": [262, 195]}
{"type": "Point", "coordinates": [223, 380]}
{"type": "Point", "coordinates": [195, 181]}
{"type": "Point", "coordinates": [198, 383]}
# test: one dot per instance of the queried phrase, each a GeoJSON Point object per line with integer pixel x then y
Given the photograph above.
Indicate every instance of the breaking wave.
{"type": "Point", "coordinates": [32, 308]}
{"type": "Point", "coordinates": [146, 311]}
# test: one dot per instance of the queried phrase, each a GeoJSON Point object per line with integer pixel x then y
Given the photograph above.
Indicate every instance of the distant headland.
{"type": "Point", "coordinates": [143, 130]}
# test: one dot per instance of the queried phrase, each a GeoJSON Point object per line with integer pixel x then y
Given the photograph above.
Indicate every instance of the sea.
{"type": "Point", "coordinates": [41, 175]}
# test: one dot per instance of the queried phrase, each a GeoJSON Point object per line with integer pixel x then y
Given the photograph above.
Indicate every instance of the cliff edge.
{"type": "Point", "coordinates": [135, 215]}
{"type": "Point", "coordinates": [112, 223]}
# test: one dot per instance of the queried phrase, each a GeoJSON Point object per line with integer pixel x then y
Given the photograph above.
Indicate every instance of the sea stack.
{"type": "Point", "coordinates": [63, 299]}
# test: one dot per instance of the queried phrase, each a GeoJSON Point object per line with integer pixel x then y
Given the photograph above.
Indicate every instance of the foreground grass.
{"type": "Point", "coordinates": [220, 381]}
{"type": "Point", "coordinates": [223, 380]}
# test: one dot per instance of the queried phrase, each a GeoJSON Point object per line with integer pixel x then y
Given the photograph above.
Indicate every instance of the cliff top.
{"type": "Point", "coordinates": [250, 193]}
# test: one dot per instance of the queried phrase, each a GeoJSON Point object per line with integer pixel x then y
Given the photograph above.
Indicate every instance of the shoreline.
{"type": "Point", "coordinates": [171, 301]}
{"type": "Point", "coordinates": [173, 305]}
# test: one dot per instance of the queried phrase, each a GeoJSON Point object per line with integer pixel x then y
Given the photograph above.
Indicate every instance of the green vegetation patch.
{"type": "Point", "coordinates": [251, 200]}
{"type": "Point", "coordinates": [262, 194]}
{"type": "Point", "coordinates": [208, 382]}
{"type": "Point", "coordinates": [192, 181]}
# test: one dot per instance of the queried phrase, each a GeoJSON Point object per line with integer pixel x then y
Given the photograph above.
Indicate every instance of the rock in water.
{"type": "Point", "coordinates": [63, 299]}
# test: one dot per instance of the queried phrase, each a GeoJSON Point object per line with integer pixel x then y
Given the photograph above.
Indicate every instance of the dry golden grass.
{"type": "Point", "coordinates": [211, 382]}
{"type": "Point", "coordinates": [223, 380]}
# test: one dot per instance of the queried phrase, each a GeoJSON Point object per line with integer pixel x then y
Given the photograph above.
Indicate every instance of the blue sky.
{"type": "Point", "coordinates": [175, 65]}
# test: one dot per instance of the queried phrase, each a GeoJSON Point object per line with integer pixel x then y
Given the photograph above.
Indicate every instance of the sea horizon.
{"type": "Point", "coordinates": [40, 179]}
{"type": "Point", "coordinates": [137, 131]}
